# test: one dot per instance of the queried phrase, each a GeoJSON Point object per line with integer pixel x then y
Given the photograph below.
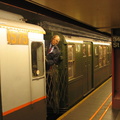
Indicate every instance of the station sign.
{"type": "Point", "coordinates": [116, 41]}
{"type": "Point", "coordinates": [116, 38]}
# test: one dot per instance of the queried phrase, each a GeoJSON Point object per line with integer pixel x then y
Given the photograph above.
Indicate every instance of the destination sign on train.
{"type": "Point", "coordinates": [17, 37]}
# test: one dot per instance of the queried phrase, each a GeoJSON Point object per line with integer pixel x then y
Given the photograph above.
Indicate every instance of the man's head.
{"type": "Point", "coordinates": [55, 40]}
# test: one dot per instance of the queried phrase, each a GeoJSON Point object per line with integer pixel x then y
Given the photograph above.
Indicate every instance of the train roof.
{"type": "Point", "coordinates": [21, 26]}
{"type": "Point", "coordinates": [11, 16]}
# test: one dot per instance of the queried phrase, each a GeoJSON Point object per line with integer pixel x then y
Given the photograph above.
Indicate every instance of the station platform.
{"type": "Point", "coordinates": [96, 106]}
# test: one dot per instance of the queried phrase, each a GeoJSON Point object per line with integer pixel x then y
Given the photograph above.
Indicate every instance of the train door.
{"type": "Point", "coordinates": [38, 91]}
{"type": "Point", "coordinates": [87, 67]}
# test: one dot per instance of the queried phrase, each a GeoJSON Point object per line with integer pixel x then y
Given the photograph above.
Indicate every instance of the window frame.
{"type": "Point", "coordinates": [41, 47]}
{"type": "Point", "coordinates": [71, 61]}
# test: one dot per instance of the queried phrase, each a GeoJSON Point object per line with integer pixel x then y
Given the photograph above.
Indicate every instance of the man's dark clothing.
{"type": "Point", "coordinates": [52, 57]}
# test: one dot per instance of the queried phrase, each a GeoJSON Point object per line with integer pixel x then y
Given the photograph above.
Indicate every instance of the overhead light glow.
{"type": "Point", "coordinates": [74, 41]}
{"type": "Point", "coordinates": [101, 43]}
{"type": "Point", "coordinates": [35, 36]}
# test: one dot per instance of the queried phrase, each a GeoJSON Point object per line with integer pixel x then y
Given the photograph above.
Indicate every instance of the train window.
{"type": "Point", "coordinates": [96, 51]}
{"type": "Point", "coordinates": [37, 59]}
{"type": "Point", "coordinates": [100, 56]}
{"type": "Point", "coordinates": [104, 55]}
{"type": "Point", "coordinates": [84, 50]}
{"type": "Point", "coordinates": [89, 50]}
{"type": "Point", "coordinates": [96, 62]}
{"type": "Point", "coordinates": [78, 48]}
{"type": "Point", "coordinates": [70, 61]}
{"type": "Point", "coordinates": [107, 54]}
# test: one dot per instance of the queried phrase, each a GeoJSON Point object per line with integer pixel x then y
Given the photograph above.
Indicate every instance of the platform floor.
{"type": "Point", "coordinates": [96, 106]}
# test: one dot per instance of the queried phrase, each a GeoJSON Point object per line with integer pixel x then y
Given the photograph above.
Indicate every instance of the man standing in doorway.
{"type": "Point", "coordinates": [52, 75]}
{"type": "Point", "coordinates": [52, 52]}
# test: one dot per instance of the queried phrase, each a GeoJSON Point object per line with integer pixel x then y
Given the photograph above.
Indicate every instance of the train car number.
{"type": "Point", "coordinates": [17, 37]}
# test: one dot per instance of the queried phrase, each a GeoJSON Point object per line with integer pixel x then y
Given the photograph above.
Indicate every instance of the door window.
{"type": "Point", "coordinates": [89, 50]}
{"type": "Point", "coordinates": [104, 55]}
{"type": "Point", "coordinates": [37, 57]}
{"type": "Point", "coordinates": [70, 61]}
{"type": "Point", "coordinates": [84, 50]}
{"type": "Point", "coordinates": [100, 56]}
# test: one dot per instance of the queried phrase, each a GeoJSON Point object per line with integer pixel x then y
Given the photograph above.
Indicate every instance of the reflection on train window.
{"type": "Point", "coordinates": [96, 62]}
{"type": "Point", "coordinates": [100, 56]}
{"type": "Point", "coordinates": [104, 55]}
{"type": "Point", "coordinates": [89, 50]}
{"type": "Point", "coordinates": [84, 50]}
{"type": "Point", "coordinates": [107, 54]}
{"type": "Point", "coordinates": [96, 50]}
{"type": "Point", "coordinates": [37, 59]}
{"type": "Point", "coordinates": [70, 61]}
{"type": "Point", "coordinates": [70, 69]}
{"type": "Point", "coordinates": [78, 48]}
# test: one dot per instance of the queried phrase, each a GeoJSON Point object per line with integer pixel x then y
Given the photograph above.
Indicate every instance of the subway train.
{"type": "Point", "coordinates": [85, 64]}
{"type": "Point", "coordinates": [25, 91]}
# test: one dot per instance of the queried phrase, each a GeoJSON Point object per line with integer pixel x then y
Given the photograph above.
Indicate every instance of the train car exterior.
{"type": "Point", "coordinates": [77, 72]}
{"type": "Point", "coordinates": [22, 70]}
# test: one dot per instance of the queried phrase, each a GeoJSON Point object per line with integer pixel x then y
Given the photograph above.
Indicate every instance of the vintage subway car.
{"type": "Point", "coordinates": [22, 69]}
{"type": "Point", "coordinates": [85, 64]}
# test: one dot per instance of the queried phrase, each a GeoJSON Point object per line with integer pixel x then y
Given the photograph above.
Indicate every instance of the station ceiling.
{"type": "Point", "coordinates": [101, 14]}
